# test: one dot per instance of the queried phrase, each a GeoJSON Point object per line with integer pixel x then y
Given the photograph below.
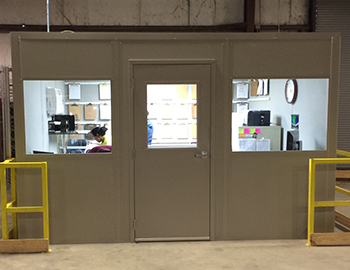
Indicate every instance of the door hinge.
{"type": "Point", "coordinates": [134, 225]}
{"type": "Point", "coordinates": [134, 154]}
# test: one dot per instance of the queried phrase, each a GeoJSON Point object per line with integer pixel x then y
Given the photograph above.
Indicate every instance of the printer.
{"type": "Point", "coordinates": [61, 123]}
{"type": "Point", "coordinates": [258, 118]}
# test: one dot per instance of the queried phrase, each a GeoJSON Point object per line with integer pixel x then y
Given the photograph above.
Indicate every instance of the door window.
{"type": "Point", "coordinates": [172, 115]}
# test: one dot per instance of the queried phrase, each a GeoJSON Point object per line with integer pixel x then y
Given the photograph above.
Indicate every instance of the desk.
{"type": "Point", "coordinates": [61, 141]}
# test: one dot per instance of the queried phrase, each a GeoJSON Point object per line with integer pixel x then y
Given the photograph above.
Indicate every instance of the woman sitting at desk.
{"type": "Point", "coordinates": [99, 134]}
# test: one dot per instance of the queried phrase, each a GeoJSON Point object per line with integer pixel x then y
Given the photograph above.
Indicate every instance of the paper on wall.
{"type": "Point", "coordinates": [247, 144]}
{"type": "Point", "coordinates": [105, 91]}
{"type": "Point", "coordinates": [74, 91]}
{"type": "Point", "coordinates": [105, 111]}
{"type": "Point", "coordinates": [242, 90]}
{"type": "Point", "coordinates": [75, 109]}
{"type": "Point", "coordinates": [90, 111]}
{"type": "Point", "coordinates": [241, 107]}
{"type": "Point", "coordinates": [263, 145]}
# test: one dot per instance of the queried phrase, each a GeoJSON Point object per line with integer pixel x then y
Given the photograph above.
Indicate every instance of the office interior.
{"type": "Point", "coordinates": [281, 117]}
{"type": "Point", "coordinates": [202, 177]}
{"type": "Point", "coordinates": [59, 115]}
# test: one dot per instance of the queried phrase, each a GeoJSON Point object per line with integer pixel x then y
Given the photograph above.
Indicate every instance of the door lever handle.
{"type": "Point", "coordinates": [203, 154]}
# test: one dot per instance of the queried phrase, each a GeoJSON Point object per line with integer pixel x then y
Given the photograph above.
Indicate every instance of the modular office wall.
{"type": "Point", "coordinates": [252, 195]}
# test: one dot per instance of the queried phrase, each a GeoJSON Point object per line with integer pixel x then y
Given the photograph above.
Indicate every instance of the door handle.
{"type": "Point", "coordinates": [203, 154]}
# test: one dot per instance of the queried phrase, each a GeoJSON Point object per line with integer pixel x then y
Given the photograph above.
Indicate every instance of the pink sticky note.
{"type": "Point", "coordinates": [257, 130]}
{"type": "Point", "coordinates": [246, 131]}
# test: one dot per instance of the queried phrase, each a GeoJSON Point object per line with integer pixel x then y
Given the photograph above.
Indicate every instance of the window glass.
{"type": "Point", "coordinates": [172, 115]}
{"type": "Point", "coordinates": [60, 115]}
{"type": "Point", "coordinates": [279, 114]}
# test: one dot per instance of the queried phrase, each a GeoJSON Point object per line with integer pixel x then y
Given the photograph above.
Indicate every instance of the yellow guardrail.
{"type": "Point", "coordinates": [312, 204]}
{"type": "Point", "coordinates": [11, 207]}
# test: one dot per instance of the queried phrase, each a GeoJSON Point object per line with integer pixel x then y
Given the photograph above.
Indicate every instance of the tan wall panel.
{"type": "Point", "coordinates": [270, 190]}
{"type": "Point", "coordinates": [82, 202]}
{"type": "Point", "coordinates": [66, 58]}
{"type": "Point", "coordinates": [276, 58]}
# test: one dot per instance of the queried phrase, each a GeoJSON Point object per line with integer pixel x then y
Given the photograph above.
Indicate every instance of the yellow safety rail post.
{"type": "Point", "coordinates": [22, 245]}
{"type": "Point", "coordinates": [315, 239]}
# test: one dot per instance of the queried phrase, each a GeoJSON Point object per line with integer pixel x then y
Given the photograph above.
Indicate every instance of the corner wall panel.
{"type": "Point", "coordinates": [333, 16]}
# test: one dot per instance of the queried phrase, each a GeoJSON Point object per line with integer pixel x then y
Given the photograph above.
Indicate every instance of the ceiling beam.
{"type": "Point", "coordinates": [249, 15]}
{"type": "Point", "coordinates": [7, 28]}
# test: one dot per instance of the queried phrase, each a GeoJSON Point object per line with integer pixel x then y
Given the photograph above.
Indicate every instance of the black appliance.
{"type": "Point", "coordinates": [293, 142]}
{"type": "Point", "coordinates": [62, 123]}
{"type": "Point", "coordinates": [259, 118]}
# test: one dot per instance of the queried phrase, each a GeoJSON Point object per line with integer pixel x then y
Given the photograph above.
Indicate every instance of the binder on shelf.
{"type": "Point", "coordinates": [254, 88]}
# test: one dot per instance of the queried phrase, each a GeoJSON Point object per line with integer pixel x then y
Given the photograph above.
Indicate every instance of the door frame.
{"type": "Point", "coordinates": [212, 63]}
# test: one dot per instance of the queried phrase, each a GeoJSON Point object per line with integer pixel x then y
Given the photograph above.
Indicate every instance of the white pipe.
{"type": "Point", "coordinates": [48, 14]}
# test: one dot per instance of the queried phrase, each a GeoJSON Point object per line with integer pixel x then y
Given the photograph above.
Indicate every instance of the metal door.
{"type": "Point", "coordinates": [172, 185]}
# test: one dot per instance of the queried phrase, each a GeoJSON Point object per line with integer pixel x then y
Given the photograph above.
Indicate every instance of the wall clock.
{"type": "Point", "coordinates": [291, 91]}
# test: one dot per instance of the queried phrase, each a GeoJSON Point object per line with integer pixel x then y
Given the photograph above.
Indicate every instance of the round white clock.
{"type": "Point", "coordinates": [291, 91]}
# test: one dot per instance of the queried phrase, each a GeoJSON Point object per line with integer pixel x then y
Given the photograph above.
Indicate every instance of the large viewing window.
{"type": "Point", "coordinates": [279, 114]}
{"type": "Point", "coordinates": [59, 116]}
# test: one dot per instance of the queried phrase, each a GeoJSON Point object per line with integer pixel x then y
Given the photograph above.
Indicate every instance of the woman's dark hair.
{"type": "Point", "coordinates": [99, 131]}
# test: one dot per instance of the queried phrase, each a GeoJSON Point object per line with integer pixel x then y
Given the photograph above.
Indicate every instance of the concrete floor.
{"type": "Point", "coordinates": [273, 254]}
{"type": "Point", "coordinates": [277, 254]}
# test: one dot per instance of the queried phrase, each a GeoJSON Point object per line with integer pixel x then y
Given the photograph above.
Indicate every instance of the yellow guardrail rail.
{"type": "Point", "coordinates": [27, 245]}
{"type": "Point", "coordinates": [325, 238]}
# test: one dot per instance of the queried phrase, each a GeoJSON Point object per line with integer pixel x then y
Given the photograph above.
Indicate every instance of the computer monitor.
{"type": "Point", "coordinates": [293, 142]}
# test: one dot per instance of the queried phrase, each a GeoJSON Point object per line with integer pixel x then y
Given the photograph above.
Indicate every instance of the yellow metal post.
{"type": "Point", "coordinates": [11, 207]}
{"type": "Point", "coordinates": [311, 204]}
{"type": "Point", "coordinates": [14, 199]}
{"type": "Point", "coordinates": [45, 200]}
{"type": "Point", "coordinates": [5, 233]}
{"type": "Point", "coordinates": [325, 238]}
